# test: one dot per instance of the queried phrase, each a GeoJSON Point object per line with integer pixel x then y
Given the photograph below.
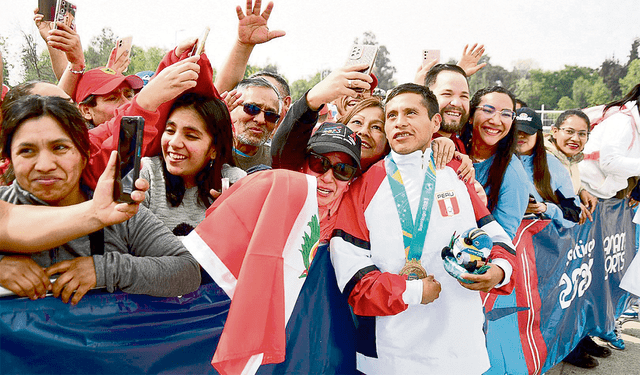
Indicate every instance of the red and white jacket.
{"type": "Point", "coordinates": [398, 334]}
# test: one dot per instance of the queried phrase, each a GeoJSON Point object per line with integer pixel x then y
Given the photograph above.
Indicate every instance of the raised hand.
{"type": "Point", "coordinates": [470, 57]}
{"type": "Point", "coordinates": [343, 81]}
{"type": "Point", "coordinates": [252, 27]}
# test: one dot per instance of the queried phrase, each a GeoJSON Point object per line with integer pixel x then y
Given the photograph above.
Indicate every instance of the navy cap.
{"type": "Point", "coordinates": [528, 121]}
{"type": "Point", "coordinates": [335, 137]}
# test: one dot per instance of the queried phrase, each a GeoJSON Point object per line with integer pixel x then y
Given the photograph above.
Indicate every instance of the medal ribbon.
{"type": "Point", "coordinates": [413, 235]}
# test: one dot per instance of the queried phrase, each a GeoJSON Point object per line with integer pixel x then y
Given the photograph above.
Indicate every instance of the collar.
{"type": "Point", "coordinates": [416, 158]}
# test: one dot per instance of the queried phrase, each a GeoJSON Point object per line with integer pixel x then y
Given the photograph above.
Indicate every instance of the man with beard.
{"type": "Point", "coordinates": [449, 84]}
{"type": "Point", "coordinates": [254, 121]}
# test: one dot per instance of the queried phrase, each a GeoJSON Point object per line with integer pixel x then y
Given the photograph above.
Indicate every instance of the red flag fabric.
{"type": "Point", "coordinates": [257, 243]}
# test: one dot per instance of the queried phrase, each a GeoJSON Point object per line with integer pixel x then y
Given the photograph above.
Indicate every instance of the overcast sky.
{"type": "Point", "coordinates": [319, 33]}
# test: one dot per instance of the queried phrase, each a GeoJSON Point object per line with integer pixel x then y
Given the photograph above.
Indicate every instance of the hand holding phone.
{"type": "Point", "coordinates": [363, 54]}
{"type": "Point", "coordinates": [198, 48]}
{"type": "Point", "coordinates": [123, 45]}
{"type": "Point", "coordinates": [129, 155]}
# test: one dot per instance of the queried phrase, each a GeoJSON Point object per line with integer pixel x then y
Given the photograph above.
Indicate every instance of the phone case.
{"type": "Point", "coordinates": [129, 155]}
{"type": "Point", "coordinates": [198, 48]}
{"type": "Point", "coordinates": [363, 54]}
{"type": "Point", "coordinates": [47, 8]}
{"type": "Point", "coordinates": [429, 54]}
{"type": "Point", "coordinates": [66, 13]}
{"type": "Point", "coordinates": [123, 45]}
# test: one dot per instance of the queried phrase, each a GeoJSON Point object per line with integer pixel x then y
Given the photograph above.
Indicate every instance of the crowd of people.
{"type": "Point", "coordinates": [396, 180]}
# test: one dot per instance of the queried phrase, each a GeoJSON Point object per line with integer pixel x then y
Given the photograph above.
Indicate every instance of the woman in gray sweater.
{"type": "Point", "coordinates": [47, 142]}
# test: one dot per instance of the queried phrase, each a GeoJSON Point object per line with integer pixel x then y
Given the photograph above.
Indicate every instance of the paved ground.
{"type": "Point", "coordinates": [621, 362]}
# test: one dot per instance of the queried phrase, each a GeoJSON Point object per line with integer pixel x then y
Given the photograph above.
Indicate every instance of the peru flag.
{"type": "Point", "coordinates": [257, 243]}
{"type": "Point", "coordinates": [448, 203]}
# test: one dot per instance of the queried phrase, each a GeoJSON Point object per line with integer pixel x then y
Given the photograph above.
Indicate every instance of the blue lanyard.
{"type": "Point", "coordinates": [412, 235]}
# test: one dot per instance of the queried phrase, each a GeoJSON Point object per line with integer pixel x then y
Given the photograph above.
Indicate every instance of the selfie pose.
{"type": "Point", "coordinates": [47, 142]}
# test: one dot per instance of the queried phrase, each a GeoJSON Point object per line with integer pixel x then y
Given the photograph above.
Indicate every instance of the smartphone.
{"type": "Point", "coordinates": [430, 54]}
{"type": "Point", "coordinates": [363, 54]}
{"type": "Point", "coordinates": [129, 155]}
{"type": "Point", "coordinates": [123, 45]}
{"type": "Point", "coordinates": [65, 13]}
{"type": "Point", "coordinates": [198, 48]}
{"type": "Point", "coordinates": [47, 8]}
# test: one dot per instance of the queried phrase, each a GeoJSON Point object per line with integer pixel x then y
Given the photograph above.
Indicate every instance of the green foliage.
{"type": "Point", "coordinates": [611, 72]}
{"type": "Point", "coordinates": [632, 78]}
{"type": "Point", "coordinates": [100, 48]}
{"type": "Point", "coordinates": [382, 68]}
{"type": "Point", "coordinates": [142, 60]}
{"type": "Point", "coordinates": [299, 87]}
{"type": "Point", "coordinates": [5, 64]}
{"type": "Point", "coordinates": [36, 67]}
{"type": "Point", "coordinates": [492, 75]}
{"type": "Point", "coordinates": [566, 103]}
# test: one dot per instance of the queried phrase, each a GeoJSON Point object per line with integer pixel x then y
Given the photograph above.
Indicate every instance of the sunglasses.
{"type": "Point", "coordinates": [321, 164]}
{"type": "Point", "coordinates": [254, 110]}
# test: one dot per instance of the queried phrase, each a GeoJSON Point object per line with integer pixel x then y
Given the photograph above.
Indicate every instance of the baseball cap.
{"type": "Point", "coordinates": [146, 76]}
{"type": "Point", "coordinates": [335, 137]}
{"type": "Point", "coordinates": [101, 81]}
{"type": "Point", "coordinates": [528, 121]}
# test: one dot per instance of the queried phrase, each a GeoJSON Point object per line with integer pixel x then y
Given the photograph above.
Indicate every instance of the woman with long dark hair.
{"type": "Point", "coordinates": [196, 156]}
{"type": "Point", "coordinates": [490, 139]}
{"type": "Point", "coordinates": [553, 195]}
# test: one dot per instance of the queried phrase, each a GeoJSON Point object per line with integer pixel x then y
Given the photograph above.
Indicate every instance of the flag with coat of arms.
{"type": "Point", "coordinates": [257, 242]}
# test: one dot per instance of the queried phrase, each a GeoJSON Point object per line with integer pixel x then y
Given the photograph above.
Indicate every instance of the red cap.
{"type": "Point", "coordinates": [101, 81]}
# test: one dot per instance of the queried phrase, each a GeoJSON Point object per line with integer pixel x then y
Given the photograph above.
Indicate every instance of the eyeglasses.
{"type": "Point", "coordinates": [321, 164]}
{"type": "Point", "coordinates": [571, 132]}
{"type": "Point", "coordinates": [505, 114]}
{"type": "Point", "coordinates": [254, 110]}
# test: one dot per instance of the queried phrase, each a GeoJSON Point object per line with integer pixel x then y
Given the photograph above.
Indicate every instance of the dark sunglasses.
{"type": "Point", "coordinates": [254, 110]}
{"type": "Point", "coordinates": [321, 164]}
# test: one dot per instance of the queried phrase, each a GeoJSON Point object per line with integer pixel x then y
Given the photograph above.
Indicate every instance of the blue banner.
{"type": "Point", "coordinates": [567, 285]}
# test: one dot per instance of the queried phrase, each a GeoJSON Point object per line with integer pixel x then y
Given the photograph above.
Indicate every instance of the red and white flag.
{"type": "Point", "coordinates": [257, 243]}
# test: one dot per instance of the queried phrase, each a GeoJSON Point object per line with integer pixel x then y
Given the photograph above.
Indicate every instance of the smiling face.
{"type": "Point", "coordinates": [572, 144]}
{"type": "Point", "coordinates": [369, 125]}
{"type": "Point", "coordinates": [407, 125]}
{"type": "Point", "coordinates": [452, 91]}
{"type": "Point", "coordinates": [329, 187]}
{"type": "Point", "coordinates": [252, 131]}
{"type": "Point", "coordinates": [46, 162]}
{"type": "Point", "coordinates": [186, 145]}
{"type": "Point", "coordinates": [488, 130]}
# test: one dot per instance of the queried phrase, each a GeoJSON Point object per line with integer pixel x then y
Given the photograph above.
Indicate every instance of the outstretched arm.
{"type": "Point", "coordinates": [58, 58]}
{"type": "Point", "coordinates": [252, 30]}
{"type": "Point", "coordinates": [59, 225]}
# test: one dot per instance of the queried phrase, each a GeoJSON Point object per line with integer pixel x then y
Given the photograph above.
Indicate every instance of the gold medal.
{"type": "Point", "coordinates": [413, 270]}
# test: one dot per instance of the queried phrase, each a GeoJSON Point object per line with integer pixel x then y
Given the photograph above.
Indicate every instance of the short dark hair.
{"type": "Point", "coordinates": [572, 112]}
{"type": "Point", "coordinates": [429, 100]}
{"type": "Point", "coordinates": [432, 74]}
{"type": "Point", "coordinates": [35, 106]}
{"type": "Point", "coordinates": [522, 103]}
{"type": "Point", "coordinates": [280, 79]}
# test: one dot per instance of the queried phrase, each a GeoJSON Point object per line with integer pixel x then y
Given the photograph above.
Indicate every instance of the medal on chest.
{"type": "Point", "coordinates": [413, 234]}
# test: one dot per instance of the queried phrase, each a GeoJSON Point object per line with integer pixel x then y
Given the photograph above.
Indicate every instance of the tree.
{"type": "Point", "coordinates": [611, 72]}
{"type": "Point", "coordinates": [143, 60]}
{"type": "Point", "coordinates": [492, 75]}
{"type": "Point", "coordinates": [632, 78]}
{"type": "Point", "coordinates": [566, 103]}
{"type": "Point", "coordinates": [5, 64]}
{"type": "Point", "coordinates": [382, 69]}
{"type": "Point", "coordinates": [36, 67]}
{"type": "Point", "coordinates": [633, 55]}
{"type": "Point", "coordinates": [100, 48]}
{"type": "Point", "coordinates": [300, 86]}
